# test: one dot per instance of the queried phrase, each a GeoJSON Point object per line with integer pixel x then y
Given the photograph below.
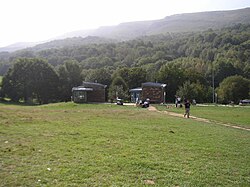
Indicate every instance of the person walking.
{"type": "Point", "coordinates": [187, 108]}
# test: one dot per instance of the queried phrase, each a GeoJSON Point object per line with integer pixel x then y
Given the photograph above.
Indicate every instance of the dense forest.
{"type": "Point", "coordinates": [192, 64]}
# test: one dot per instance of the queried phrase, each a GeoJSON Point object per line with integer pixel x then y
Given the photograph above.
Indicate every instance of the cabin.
{"type": "Point", "coordinates": [155, 92]}
{"type": "Point", "coordinates": [135, 94]}
{"type": "Point", "coordinates": [89, 92]}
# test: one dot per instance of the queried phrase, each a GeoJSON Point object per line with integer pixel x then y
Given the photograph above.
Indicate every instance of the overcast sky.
{"type": "Point", "coordinates": [37, 20]}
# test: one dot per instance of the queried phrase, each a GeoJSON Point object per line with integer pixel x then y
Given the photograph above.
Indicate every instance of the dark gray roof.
{"type": "Point", "coordinates": [135, 90]}
{"type": "Point", "coordinates": [154, 84]}
{"type": "Point", "coordinates": [79, 88]}
{"type": "Point", "coordinates": [89, 84]}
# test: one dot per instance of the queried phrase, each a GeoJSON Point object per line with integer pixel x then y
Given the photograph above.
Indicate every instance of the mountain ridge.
{"type": "Point", "coordinates": [186, 22]}
{"type": "Point", "coordinates": [175, 23]}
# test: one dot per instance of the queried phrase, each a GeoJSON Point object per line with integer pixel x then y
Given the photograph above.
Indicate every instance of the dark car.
{"type": "Point", "coordinates": [244, 102]}
{"type": "Point", "coordinates": [119, 101]}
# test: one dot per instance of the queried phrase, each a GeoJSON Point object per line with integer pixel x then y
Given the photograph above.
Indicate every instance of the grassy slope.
{"type": "Point", "coordinates": [104, 145]}
{"type": "Point", "coordinates": [234, 115]}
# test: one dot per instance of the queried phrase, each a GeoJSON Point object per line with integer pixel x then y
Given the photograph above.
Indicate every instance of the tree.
{"type": "Point", "coordinates": [186, 91]}
{"type": "Point", "coordinates": [30, 79]}
{"type": "Point", "coordinates": [69, 77]}
{"type": "Point", "coordinates": [152, 70]}
{"type": "Point", "coordinates": [195, 91]}
{"type": "Point", "coordinates": [14, 82]}
{"type": "Point", "coordinates": [118, 89]}
{"type": "Point", "coordinates": [223, 70]}
{"type": "Point", "coordinates": [64, 85]}
{"type": "Point", "coordinates": [173, 77]}
{"type": "Point", "coordinates": [233, 88]}
{"type": "Point", "coordinates": [136, 76]}
{"type": "Point", "coordinates": [102, 76]}
{"type": "Point", "coordinates": [133, 77]}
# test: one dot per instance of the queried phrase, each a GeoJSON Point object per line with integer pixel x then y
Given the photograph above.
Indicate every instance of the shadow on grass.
{"type": "Point", "coordinates": [7, 102]}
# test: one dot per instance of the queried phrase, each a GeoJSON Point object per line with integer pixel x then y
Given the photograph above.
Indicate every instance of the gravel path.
{"type": "Point", "coordinates": [152, 108]}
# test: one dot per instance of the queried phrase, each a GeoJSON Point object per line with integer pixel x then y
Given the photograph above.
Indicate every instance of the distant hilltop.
{"type": "Point", "coordinates": [176, 23]}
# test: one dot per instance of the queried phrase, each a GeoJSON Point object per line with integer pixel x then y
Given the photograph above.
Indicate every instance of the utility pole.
{"type": "Point", "coordinates": [213, 82]}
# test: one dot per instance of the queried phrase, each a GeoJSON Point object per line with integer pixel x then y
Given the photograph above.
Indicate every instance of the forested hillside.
{"type": "Point", "coordinates": [181, 60]}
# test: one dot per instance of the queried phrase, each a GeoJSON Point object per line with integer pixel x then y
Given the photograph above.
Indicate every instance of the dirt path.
{"type": "Point", "coordinates": [152, 108]}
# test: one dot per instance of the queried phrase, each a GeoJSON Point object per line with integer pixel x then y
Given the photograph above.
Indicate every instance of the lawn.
{"type": "Point", "coordinates": [227, 114]}
{"type": "Point", "coordinates": [67, 144]}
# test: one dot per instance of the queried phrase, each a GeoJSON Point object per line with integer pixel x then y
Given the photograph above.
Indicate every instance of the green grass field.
{"type": "Point", "coordinates": [239, 116]}
{"type": "Point", "coordinates": [67, 144]}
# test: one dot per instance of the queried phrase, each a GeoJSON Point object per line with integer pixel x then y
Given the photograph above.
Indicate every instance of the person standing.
{"type": "Point", "coordinates": [187, 108]}
{"type": "Point", "coordinates": [177, 101]}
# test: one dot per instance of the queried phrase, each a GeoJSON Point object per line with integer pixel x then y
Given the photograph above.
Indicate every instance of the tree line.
{"type": "Point", "coordinates": [196, 65]}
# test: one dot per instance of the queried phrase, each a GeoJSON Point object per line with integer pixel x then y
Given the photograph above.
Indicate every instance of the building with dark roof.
{"type": "Point", "coordinates": [89, 92]}
{"type": "Point", "coordinates": [135, 94]}
{"type": "Point", "coordinates": [156, 92]}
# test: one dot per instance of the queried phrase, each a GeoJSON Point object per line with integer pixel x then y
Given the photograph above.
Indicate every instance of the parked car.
{"type": "Point", "coordinates": [119, 101]}
{"type": "Point", "coordinates": [244, 102]}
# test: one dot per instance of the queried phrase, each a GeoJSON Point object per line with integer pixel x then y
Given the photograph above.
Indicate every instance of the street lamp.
{"type": "Point", "coordinates": [164, 92]}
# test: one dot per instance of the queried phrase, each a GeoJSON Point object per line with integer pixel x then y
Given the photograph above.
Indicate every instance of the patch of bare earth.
{"type": "Point", "coordinates": [150, 182]}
